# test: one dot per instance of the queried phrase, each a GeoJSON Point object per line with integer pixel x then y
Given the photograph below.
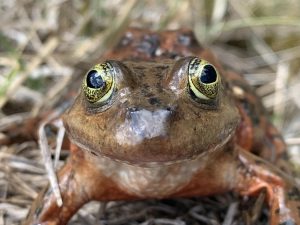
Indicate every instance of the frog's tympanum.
{"type": "Point", "coordinates": [159, 117]}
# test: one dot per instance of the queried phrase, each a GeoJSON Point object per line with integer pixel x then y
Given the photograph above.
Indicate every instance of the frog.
{"type": "Point", "coordinates": [160, 117]}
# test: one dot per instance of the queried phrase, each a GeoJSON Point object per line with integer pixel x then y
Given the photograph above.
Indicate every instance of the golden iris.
{"type": "Point", "coordinates": [99, 82]}
{"type": "Point", "coordinates": [204, 79]}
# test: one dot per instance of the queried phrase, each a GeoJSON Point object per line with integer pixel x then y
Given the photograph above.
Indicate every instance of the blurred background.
{"type": "Point", "coordinates": [45, 45]}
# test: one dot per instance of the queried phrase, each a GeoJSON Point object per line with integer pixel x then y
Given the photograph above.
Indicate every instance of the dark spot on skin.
{"type": "Point", "coordinates": [294, 194]}
{"type": "Point", "coordinates": [146, 91]}
{"type": "Point", "coordinates": [187, 39]}
{"type": "Point", "coordinates": [288, 222]}
{"type": "Point", "coordinates": [148, 94]}
{"type": "Point", "coordinates": [139, 68]}
{"type": "Point", "coordinates": [184, 39]}
{"type": "Point", "coordinates": [240, 165]}
{"type": "Point", "coordinates": [133, 109]}
{"type": "Point", "coordinates": [161, 67]}
{"type": "Point", "coordinates": [159, 90]}
{"type": "Point", "coordinates": [245, 170]}
{"type": "Point", "coordinates": [277, 211]}
{"type": "Point", "coordinates": [149, 44]}
{"type": "Point", "coordinates": [171, 55]}
{"type": "Point", "coordinates": [159, 76]}
{"type": "Point", "coordinates": [146, 86]}
{"type": "Point", "coordinates": [125, 40]}
{"type": "Point", "coordinates": [154, 101]}
{"type": "Point", "coordinates": [93, 153]}
{"type": "Point", "coordinates": [258, 161]}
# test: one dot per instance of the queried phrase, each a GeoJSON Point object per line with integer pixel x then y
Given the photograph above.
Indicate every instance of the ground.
{"type": "Point", "coordinates": [47, 45]}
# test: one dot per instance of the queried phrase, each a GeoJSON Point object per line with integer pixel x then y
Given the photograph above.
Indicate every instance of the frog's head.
{"type": "Point", "coordinates": [152, 112]}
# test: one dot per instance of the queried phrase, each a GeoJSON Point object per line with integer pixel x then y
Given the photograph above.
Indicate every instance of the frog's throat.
{"type": "Point", "coordinates": [219, 146]}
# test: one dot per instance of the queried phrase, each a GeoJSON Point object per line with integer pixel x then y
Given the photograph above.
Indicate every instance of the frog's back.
{"type": "Point", "coordinates": [255, 133]}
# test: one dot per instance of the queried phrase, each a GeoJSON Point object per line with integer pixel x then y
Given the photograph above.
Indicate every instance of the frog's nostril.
{"type": "Point", "coordinates": [169, 108]}
{"type": "Point", "coordinates": [133, 109]}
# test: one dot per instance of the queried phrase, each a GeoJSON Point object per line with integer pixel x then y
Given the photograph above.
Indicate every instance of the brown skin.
{"type": "Point", "coordinates": [182, 147]}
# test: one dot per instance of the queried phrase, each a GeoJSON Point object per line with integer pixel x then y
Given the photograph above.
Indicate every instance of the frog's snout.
{"type": "Point", "coordinates": [141, 124]}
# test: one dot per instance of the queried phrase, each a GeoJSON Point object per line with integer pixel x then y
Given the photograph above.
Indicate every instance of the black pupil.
{"type": "Point", "coordinates": [94, 80]}
{"type": "Point", "coordinates": [208, 74]}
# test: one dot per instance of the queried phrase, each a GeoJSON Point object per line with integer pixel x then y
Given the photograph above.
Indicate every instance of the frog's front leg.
{"type": "Point", "coordinates": [80, 182]}
{"type": "Point", "coordinates": [283, 196]}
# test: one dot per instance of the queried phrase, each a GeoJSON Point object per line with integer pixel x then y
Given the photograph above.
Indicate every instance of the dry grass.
{"type": "Point", "coordinates": [46, 45]}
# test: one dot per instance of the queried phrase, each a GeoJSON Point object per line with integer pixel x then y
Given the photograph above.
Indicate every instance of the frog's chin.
{"type": "Point", "coordinates": [96, 154]}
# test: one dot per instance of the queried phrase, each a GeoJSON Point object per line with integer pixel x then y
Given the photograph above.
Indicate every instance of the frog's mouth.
{"type": "Point", "coordinates": [95, 153]}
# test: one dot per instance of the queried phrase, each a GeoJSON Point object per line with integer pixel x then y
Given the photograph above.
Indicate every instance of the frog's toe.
{"type": "Point", "coordinates": [283, 196]}
{"type": "Point", "coordinates": [284, 209]}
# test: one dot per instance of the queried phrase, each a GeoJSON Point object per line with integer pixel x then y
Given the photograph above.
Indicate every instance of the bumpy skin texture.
{"type": "Point", "coordinates": [153, 141]}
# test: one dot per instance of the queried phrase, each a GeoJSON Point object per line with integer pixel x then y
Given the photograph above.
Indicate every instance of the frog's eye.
{"type": "Point", "coordinates": [99, 83]}
{"type": "Point", "coordinates": [203, 79]}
